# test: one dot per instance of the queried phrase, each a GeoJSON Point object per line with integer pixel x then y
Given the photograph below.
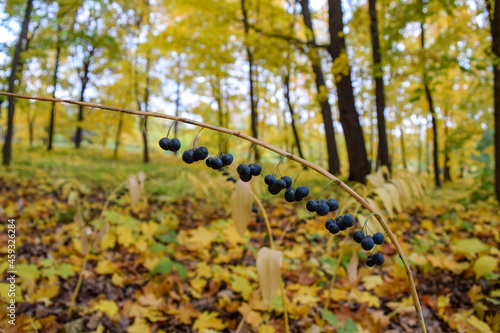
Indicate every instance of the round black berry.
{"type": "Point", "coordinates": [201, 153]}
{"type": "Point", "coordinates": [255, 169]}
{"type": "Point", "coordinates": [302, 191]}
{"type": "Point", "coordinates": [348, 220]}
{"type": "Point", "coordinates": [311, 206]}
{"type": "Point", "coordinates": [334, 228]}
{"type": "Point", "coordinates": [187, 156]}
{"type": "Point", "coordinates": [208, 162]}
{"type": "Point", "coordinates": [279, 184]}
{"type": "Point", "coordinates": [322, 209]}
{"type": "Point", "coordinates": [226, 159]}
{"type": "Point", "coordinates": [288, 181]}
{"type": "Point", "coordinates": [333, 204]}
{"type": "Point", "coordinates": [269, 179]}
{"type": "Point", "coordinates": [216, 163]}
{"type": "Point", "coordinates": [378, 258]}
{"type": "Point", "coordinates": [369, 261]}
{"type": "Point", "coordinates": [255, 210]}
{"type": "Point", "coordinates": [290, 194]}
{"type": "Point", "coordinates": [246, 178]}
{"type": "Point", "coordinates": [163, 143]}
{"type": "Point", "coordinates": [367, 243]}
{"type": "Point", "coordinates": [378, 238]}
{"type": "Point", "coordinates": [328, 222]}
{"type": "Point", "coordinates": [358, 236]}
{"type": "Point", "coordinates": [174, 144]}
{"type": "Point", "coordinates": [322, 201]}
{"type": "Point", "coordinates": [243, 170]}
{"type": "Point", "coordinates": [272, 190]}
{"type": "Point", "coordinates": [340, 223]}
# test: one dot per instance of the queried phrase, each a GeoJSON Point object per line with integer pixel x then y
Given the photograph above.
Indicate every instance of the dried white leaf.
{"type": "Point", "coordinates": [133, 189]}
{"type": "Point", "coordinates": [241, 206]}
{"type": "Point", "coordinates": [269, 264]}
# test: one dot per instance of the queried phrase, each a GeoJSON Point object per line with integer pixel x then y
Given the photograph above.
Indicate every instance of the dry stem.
{"type": "Point", "coordinates": [297, 159]}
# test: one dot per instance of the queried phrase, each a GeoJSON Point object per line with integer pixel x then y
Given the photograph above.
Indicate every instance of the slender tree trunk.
{"type": "Point", "coordinates": [178, 96]}
{"type": "Point", "coordinates": [7, 148]}
{"type": "Point", "coordinates": [31, 126]}
{"type": "Point", "coordinates": [253, 102]}
{"type": "Point", "coordinates": [447, 171]}
{"type": "Point", "coordinates": [85, 80]}
{"type": "Point", "coordinates": [144, 124]}
{"type": "Point", "coordinates": [420, 153]}
{"type": "Point", "coordinates": [383, 150]}
{"type": "Point", "coordinates": [403, 151]}
{"type": "Point", "coordinates": [356, 150]}
{"type": "Point", "coordinates": [331, 145]}
{"type": "Point", "coordinates": [118, 135]}
{"type": "Point", "coordinates": [428, 95]}
{"type": "Point", "coordinates": [54, 80]}
{"type": "Point", "coordinates": [286, 81]}
{"type": "Point", "coordinates": [494, 15]}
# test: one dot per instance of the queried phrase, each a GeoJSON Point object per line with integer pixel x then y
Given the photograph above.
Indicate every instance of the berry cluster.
{"type": "Point", "coordinates": [322, 207]}
{"type": "Point", "coordinates": [246, 172]}
{"type": "Point", "coordinates": [340, 223]}
{"type": "Point", "coordinates": [195, 154]}
{"type": "Point", "coordinates": [367, 243]}
{"type": "Point", "coordinates": [275, 186]}
{"type": "Point", "coordinates": [220, 161]}
{"type": "Point", "coordinates": [170, 144]}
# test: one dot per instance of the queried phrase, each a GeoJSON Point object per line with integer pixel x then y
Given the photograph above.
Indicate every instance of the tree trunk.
{"type": "Point", "coordinates": [118, 134]}
{"type": "Point", "coordinates": [383, 150]}
{"type": "Point", "coordinates": [178, 96]}
{"type": "Point", "coordinates": [146, 108]}
{"type": "Point", "coordinates": [54, 80]}
{"type": "Point", "coordinates": [437, 179]}
{"type": "Point", "coordinates": [349, 118]}
{"type": "Point", "coordinates": [286, 81]}
{"type": "Point", "coordinates": [85, 80]}
{"type": "Point", "coordinates": [447, 171]}
{"type": "Point", "coordinates": [7, 148]}
{"type": "Point", "coordinates": [331, 145]}
{"type": "Point", "coordinates": [420, 153]}
{"type": "Point", "coordinates": [253, 102]}
{"type": "Point", "coordinates": [403, 151]}
{"type": "Point", "coordinates": [494, 16]}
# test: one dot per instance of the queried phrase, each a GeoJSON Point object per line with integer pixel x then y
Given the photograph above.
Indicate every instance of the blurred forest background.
{"type": "Point", "coordinates": [413, 86]}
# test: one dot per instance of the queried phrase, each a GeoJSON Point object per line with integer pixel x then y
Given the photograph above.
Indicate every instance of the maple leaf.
{"type": "Point", "coordinates": [208, 320]}
{"type": "Point", "coordinates": [251, 317]}
{"type": "Point", "coordinates": [108, 307]}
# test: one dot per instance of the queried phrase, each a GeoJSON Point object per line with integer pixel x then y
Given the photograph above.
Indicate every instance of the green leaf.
{"type": "Point", "coordinates": [349, 327]}
{"type": "Point", "coordinates": [277, 304]}
{"type": "Point", "coordinates": [167, 238]}
{"type": "Point", "coordinates": [164, 266]}
{"type": "Point", "coordinates": [470, 245]}
{"type": "Point", "coordinates": [65, 271]}
{"type": "Point", "coordinates": [330, 318]}
{"type": "Point", "coordinates": [181, 270]}
{"type": "Point", "coordinates": [28, 271]}
{"type": "Point", "coordinates": [485, 265]}
{"type": "Point", "coordinates": [157, 247]}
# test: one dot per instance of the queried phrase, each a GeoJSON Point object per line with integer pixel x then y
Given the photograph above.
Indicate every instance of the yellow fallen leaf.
{"type": "Point", "coordinates": [478, 324]}
{"type": "Point", "coordinates": [251, 317]}
{"type": "Point", "coordinates": [118, 280]}
{"type": "Point", "coordinates": [139, 326]}
{"type": "Point", "coordinates": [208, 320]}
{"type": "Point", "coordinates": [108, 307]}
{"type": "Point", "coordinates": [266, 329]}
{"type": "Point", "coordinates": [241, 285]}
{"type": "Point", "coordinates": [109, 241]}
{"type": "Point", "coordinates": [125, 236]}
{"type": "Point", "coordinates": [372, 281]}
{"type": "Point", "coordinates": [485, 265]}
{"type": "Point", "coordinates": [104, 267]}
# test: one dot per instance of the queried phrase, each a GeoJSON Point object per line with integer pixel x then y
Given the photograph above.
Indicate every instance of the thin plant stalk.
{"type": "Point", "coordinates": [341, 184]}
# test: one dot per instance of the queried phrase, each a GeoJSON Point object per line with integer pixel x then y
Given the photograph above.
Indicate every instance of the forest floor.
{"type": "Point", "coordinates": [175, 263]}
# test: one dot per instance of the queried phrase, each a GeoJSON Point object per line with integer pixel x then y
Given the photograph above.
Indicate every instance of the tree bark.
{"type": "Point", "coordinates": [85, 80]}
{"type": "Point", "coordinates": [286, 81]}
{"type": "Point", "coordinates": [54, 80]}
{"type": "Point", "coordinates": [331, 145]}
{"type": "Point", "coordinates": [494, 16]}
{"type": "Point", "coordinates": [349, 118]}
{"type": "Point", "coordinates": [403, 151]}
{"type": "Point", "coordinates": [447, 171]}
{"type": "Point", "coordinates": [383, 150]}
{"type": "Point", "coordinates": [7, 148]}
{"type": "Point", "coordinates": [253, 102]}
{"type": "Point", "coordinates": [428, 95]}
{"type": "Point", "coordinates": [118, 134]}
{"type": "Point", "coordinates": [178, 96]}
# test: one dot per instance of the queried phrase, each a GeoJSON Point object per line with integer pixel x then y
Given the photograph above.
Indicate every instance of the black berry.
{"type": "Point", "coordinates": [290, 194]}
{"type": "Point", "coordinates": [367, 243]}
{"type": "Point", "coordinates": [279, 184]}
{"type": "Point", "coordinates": [340, 222]}
{"type": "Point", "coordinates": [378, 258]}
{"type": "Point", "coordinates": [328, 223]}
{"type": "Point", "coordinates": [208, 162]}
{"type": "Point", "coordinates": [358, 236]}
{"type": "Point", "coordinates": [369, 261]}
{"type": "Point", "coordinates": [201, 153]}
{"type": "Point", "coordinates": [216, 163]}
{"type": "Point", "coordinates": [322, 209]}
{"type": "Point", "coordinates": [272, 190]}
{"type": "Point", "coordinates": [348, 220]}
{"type": "Point", "coordinates": [269, 179]}
{"type": "Point", "coordinates": [255, 169]}
{"type": "Point", "coordinates": [334, 228]}
{"type": "Point", "coordinates": [255, 210]}
{"type": "Point", "coordinates": [187, 156]}
{"type": "Point", "coordinates": [311, 206]}
{"type": "Point", "coordinates": [163, 143]}
{"type": "Point", "coordinates": [243, 170]}
{"type": "Point", "coordinates": [174, 144]}
{"type": "Point", "coordinates": [333, 204]}
{"type": "Point", "coordinates": [302, 192]}
{"type": "Point", "coordinates": [226, 159]}
{"type": "Point", "coordinates": [288, 181]}
{"type": "Point", "coordinates": [246, 178]}
{"type": "Point", "coordinates": [378, 238]}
